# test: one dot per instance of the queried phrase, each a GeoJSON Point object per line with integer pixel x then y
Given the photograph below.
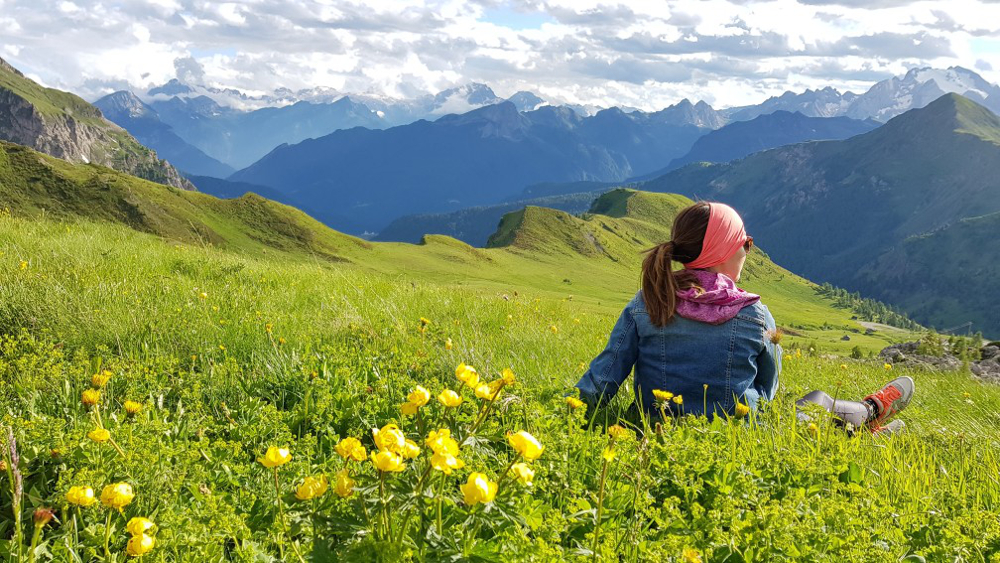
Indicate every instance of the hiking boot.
{"type": "Point", "coordinates": [890, 399]}
{"type": "Point", "coordinates": [894, 427]}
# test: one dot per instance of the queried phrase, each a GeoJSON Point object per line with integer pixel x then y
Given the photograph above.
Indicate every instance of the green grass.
{"type": "Point", "coordinates": [49, 102]}
{"type": "Point", "coordinates": [344, 348]}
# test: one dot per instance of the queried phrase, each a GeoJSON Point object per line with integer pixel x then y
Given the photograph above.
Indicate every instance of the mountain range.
{"type": "Point", "coordinates": [359, 180]}
{"type": "Point", "coordinates": [65, 126]}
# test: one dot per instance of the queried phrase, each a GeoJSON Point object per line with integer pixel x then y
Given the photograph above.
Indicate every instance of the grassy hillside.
{"type": "Point", "coordinates": [298, 337]}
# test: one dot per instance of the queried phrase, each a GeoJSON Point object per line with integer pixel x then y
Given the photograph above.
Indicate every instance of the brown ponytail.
{"type": "Point", "coordinates": [660, 283]}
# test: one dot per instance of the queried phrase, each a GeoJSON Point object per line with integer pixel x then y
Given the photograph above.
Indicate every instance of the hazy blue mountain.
{"type": "Point", "coordinates": [828, 209]}
{"type": "Point", "coordinates": [224, 189]}
{"type": "Point", "coordinates": [458, 161]}
{"type": "Point", "coordinates": [142, 121]}
{"type": "Point", "coordinates": [768, 131]}
{"type": "Point", "coordinates": [825, 102]}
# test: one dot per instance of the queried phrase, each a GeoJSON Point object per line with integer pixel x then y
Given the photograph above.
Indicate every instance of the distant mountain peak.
{"type": "Point", "coordinates": [124, 103]}
{"type": "Point", "coordinates": [172, 88]}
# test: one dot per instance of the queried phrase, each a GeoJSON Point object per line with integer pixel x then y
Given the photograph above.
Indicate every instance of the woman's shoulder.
{"type": "Point", "coordinates": [757, 312]}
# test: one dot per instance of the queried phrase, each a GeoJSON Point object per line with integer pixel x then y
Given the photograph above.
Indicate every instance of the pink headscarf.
{"type": "Point", "coordinates": [724, 236]}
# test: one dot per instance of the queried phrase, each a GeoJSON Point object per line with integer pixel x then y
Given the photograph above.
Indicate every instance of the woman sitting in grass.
{"type": "Point", "coordinates": [699, 344]}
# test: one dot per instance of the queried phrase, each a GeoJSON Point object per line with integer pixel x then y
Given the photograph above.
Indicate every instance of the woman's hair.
{"type": "Point", "coordinates": [659, 282]}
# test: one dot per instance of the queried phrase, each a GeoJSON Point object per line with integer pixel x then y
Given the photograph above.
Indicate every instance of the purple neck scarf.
{"type": "Point", "coordinates": [720, 301]}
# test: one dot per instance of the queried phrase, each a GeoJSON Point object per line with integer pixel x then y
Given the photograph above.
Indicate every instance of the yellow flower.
{"type": "Point", "coordinates": [448, 345]}
{"type": "Point", "coordinates": [843, 366]}
{"type": "Point", "coordinates": [526, 445]}
{"type": "Point", "coordinates": [813, 429]}
{"type": "Point", "coordinates": [523, 472]}
{"type": "Point", "coordinates": [450, 398]}
{"type": "Point", "coordinates": [203, 295]}
{"type": "Point", "coordinates": [311, 488]}
{"type": "Point", "coordinates": [467, 375]}
{"type": "Point", "coordinates": [81, 496]}
{"type": "Point", "coordinates": [478, 489]}
{"type": "Point", "coordinates": [508, 377]}
{"type": "Point", "coordinates": [100, 379]}
{"type": "Point", "coordinates": [390, 438]}
{"type": "Point", "coordinates": [345, 485]}
{"type": "Point", "coordinates": [24, 265]}
{"type": "Point", "coordinates": [888, 366]}
{"type": "Point", "coordinates": [90, 397]}
{"type": "Point", "coordinates": [410, 450]}
{"type": "Point", "coordinates": [617, 432]}
{"type": "Point", "coordinates": [419, 396]}
{"type": "Point", "coordinates": [408, 409]}
{"type": "Point", "coordinates": [554, 329]}
{"type": "Point", "coordinates": [387, 461]}
{"type": "Point", "coordinates": [132, 407]}
{"type": "Point", "coordinates": [117, 495]}
{"type": "Point", "coordinates": [608, 454]}
{"type": "Point", "coordinates": [576, 321]}
{"type": "Point", "coordinates": [424, 321]}
{"type": "Point", "coordinates": [662, 395]}
{"type": "Point", "coordinates": [484, 392]}
{"type": "Point", "coordinates": [679, 399]}
{"type": "Point", "coordinates": [690, 555]}
{"type": "Point", "coordinates": [99, 435]}
{"type": "Point", "coordinates": [140, 545]}
{"type": "Point", "coordinates": [742, 410]}
{"type": "Point", "coordinates": [446, 463]}
{"type": "Point", "coordinates": [351, 448]}
{"type": "Point", "coordinates": [222, 348]}
{"type": "Point", "coordinates": [275, 457]}
{"type": "Point", "coordinates": [441, 442]}
{"type": "Point", "coordinates": [574, 403]}
{"type": "Point", "coordinates": [138, 525]}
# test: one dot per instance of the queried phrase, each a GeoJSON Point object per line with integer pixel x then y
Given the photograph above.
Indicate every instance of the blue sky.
{"type": "Point", "coordinates": [640, 53]}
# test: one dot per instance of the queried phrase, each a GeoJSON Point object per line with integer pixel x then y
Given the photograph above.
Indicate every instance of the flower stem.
{"type": "Point", "coordinates": [107, 535]}
{"type": "Point", "coordinates": [600, 507]}
{"type": "Point", "coordinates": [281, 516]}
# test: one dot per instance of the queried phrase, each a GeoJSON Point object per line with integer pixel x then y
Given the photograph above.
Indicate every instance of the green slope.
{"type": "Point", "coordinates": [593, 260]}
{"type": "Point", "coordinates": [66, 126]}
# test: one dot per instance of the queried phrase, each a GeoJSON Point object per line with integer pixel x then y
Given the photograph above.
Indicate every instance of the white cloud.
{"type": "Point", "coordinates": [603, 52]}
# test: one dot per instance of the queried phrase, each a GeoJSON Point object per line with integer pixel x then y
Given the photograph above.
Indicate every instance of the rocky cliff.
{"type": "Point", "coordinates": [65, 126]}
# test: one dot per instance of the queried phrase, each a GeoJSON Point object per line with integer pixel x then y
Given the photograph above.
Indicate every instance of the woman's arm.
{"type": "Point", "coordinates": [612, 366]}
{"type": "Point", "coordinates": [769, 361]}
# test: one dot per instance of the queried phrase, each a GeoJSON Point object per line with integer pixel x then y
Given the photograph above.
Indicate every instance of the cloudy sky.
{"type": "Point", "coordinates": [640, 53]}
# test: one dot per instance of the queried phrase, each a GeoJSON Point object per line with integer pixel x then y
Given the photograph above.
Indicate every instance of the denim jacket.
{"type": "Point", "coordinates": [734, 359]}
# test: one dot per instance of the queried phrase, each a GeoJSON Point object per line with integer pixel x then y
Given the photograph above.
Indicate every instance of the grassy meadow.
{"type": "Point", "coordinates": [225, 350]}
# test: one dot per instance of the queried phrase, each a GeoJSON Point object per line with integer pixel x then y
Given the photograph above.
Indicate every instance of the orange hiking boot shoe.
{"type": "Point", "coordinates": [891, 399]}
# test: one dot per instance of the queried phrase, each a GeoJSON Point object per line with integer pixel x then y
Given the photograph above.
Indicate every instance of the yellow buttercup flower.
{"type": "Point", "coordinates": [424, 321]}
{"type": "Point", "coordinates": [446, 463]}
{"type": "Point", "coordinates": [387, 461]}
{"type": "Point", "coordinates": [345, 485]}
{"type": "Point", "coordinates": [351, 448]}
{"type": "Point", "coordinates": [574, 403]}
{"type": "Point", "coordinates": [203, 295]}
{"type": "Point", "coordinates": [843, 366]}
{"type": "Point", "coordinates": [441, 442]}
{"type": "Point", "coordinates": [508, 377]}
{"type": "Point", "coordinates": [99, 435]}
{"type": "Point", "coordinates": [81, 496]}
{"type": "Point", "coordinates": [138, 525]}
{"type": "Point", "coordinates": [100, 379]}
{"type": "Point", "coordinates": [478, 489]}
{"type": "Point", "coordinates": [554, 329]}
{"type": "Point", "coordinates": [888, 366]}
{"type": "Point", "coordinates": [408, 409]}
{"type": "Point", "coordinates": [690, 555]}
{"type": "Point", "coordinates": [526, 445]}
{"type": "Point", "coordinates": [140, 545]}
{"type": "Point", "coordinates": [389, 438]}
{"type": "Point", "coordinates": [813, 429]}
{"type": "Point", "coordinates": [448, 345]}
{"type": "Point", "coordinates": [617, 431]}
{"type": "Point", "coordinates": [483, 391]}
{"type": "Point", "coordinates": [419, 396]}
{"type": "Point", "coordinates": [523, 472]}
{"type": "Point", "coordinates": [742, 410]}
{"type": "Point", "coordinates": [311, 488]}
{"type": "Point", "coordinates": [467, 375]}
{"type": "Point", "coordinates": [410, 450]}
{"type": "Point", "coordinates": [450, 398]}
{"type": "Point", "coordinates": [679, 399]}
{"type": "Point", "coordinates": [117, 495]}
{"type": "Point", "coordinates": [132, 407]}
{"type": "Point", "coordinates": [662, 395]}
{"type": "Point", "coordinates": [275, 457]}
{"type": "Point", "coordinates": [90, 397]}
{"type": "Point", "coordinates": [608, 454]}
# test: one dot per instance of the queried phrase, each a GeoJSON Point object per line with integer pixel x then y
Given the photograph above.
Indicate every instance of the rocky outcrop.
{"type": "Point", "coordinates": [987, 368]}
{"type": "Point", "coordinates": [65, 126]}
